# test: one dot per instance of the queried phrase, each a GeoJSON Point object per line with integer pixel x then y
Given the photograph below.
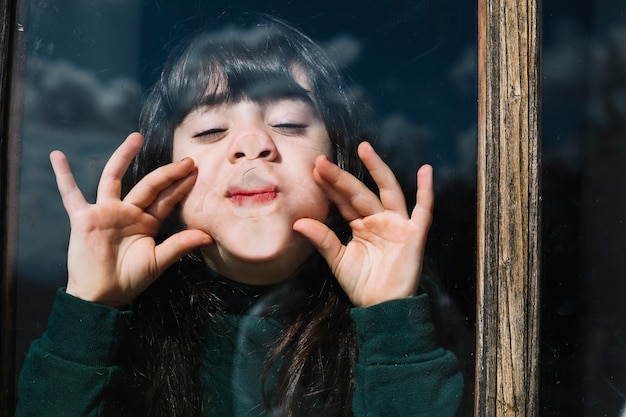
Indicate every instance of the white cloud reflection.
{"type": "Point", "coordinates": [584, 74]}
{"type": "Point", "coordinates": [58, 93]}
{"type": "Point", "coordinates": [345, 49]}
{"type": "Point", "coordinates": [465, 71]}
{"type": "Point", "coordinates": [71, 109]}
{"type": "Point", "coordinates": [403, 142]}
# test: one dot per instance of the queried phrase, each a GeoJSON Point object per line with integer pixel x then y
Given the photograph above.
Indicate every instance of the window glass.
{"type": "Point", "coordinates": [89, 64]}
{"type": "Point", "coordinates": [81, 95]}
{"type": "Point", "coordinates": [584, 204]}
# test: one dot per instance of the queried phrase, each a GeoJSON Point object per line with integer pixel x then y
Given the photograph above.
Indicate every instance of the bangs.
{"type": "Point", "coordinates": [218, 69]}
{"type": "Point", "coordinates": [254, 84]}
{"type": "Point", "coordinates": [258, 60]}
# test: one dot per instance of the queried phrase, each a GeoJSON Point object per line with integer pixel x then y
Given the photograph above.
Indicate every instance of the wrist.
{"type": "Point", "coordinates": [95, 296]}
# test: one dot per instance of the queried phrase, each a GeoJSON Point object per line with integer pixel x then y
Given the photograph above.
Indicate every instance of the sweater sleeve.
{"type": "Point", "coordinates": [72, 369]}
{"type": "Point", "coordinates": [401, 370]}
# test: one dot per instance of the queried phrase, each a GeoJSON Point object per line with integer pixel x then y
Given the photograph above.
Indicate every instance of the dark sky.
{"type": "Point", "coordinates": [408, 61]}
{"type": "Point", "coordinates": [409, 49]}
{"type": "Point", "coordinates": [88, 63]}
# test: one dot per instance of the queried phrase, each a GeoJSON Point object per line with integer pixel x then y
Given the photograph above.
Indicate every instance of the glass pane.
{"type": "Point", "coordinates": [82, 95]}
{"type": "Point", "coordinates": [584, 203]}
{"type": "Point", "coordinates": [89, 65]}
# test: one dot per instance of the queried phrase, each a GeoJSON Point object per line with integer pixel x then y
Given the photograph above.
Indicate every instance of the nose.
{"type": "Point", "coordinates": [252, 143]}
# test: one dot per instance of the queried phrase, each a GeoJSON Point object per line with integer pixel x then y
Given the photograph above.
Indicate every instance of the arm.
{"type": "Point", "coordinates": [72, 369]}
{"type": "Point", "coordinates": [401, 370]}
{"type": "Point", "coordinates": [112, 258]}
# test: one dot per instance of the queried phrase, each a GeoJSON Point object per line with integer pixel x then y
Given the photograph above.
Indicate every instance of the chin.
{"type": "Point", "coordinates": [259, 262]}
{"type": "Point", "coordinates": [272, 251]}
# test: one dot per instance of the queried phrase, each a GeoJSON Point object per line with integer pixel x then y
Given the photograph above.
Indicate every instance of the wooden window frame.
{"type": "Point", "coordinates": [9, 166]}
{"type": "Point", "coordinates": [508, 263]}
{"type": "Point", "coordinates": [508, 255]}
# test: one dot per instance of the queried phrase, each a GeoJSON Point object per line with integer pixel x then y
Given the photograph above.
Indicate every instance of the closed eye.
{"type": "Point", "coordinates": [210, 134]}
{"type": "Point", "coordinates": [291, 128]}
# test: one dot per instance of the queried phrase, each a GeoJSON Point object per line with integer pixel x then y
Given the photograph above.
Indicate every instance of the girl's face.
{"type": "Point", "coordinates": [255, 164]}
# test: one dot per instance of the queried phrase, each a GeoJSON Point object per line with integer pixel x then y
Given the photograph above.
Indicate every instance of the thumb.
{"type": "Point", "coordinates": [323, 238]}
{"type": "Point", "coordinates": [179, 245]}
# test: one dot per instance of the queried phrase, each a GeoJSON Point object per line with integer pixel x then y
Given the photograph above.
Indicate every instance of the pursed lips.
{"type": "Point", "coordinates": [252, 189]}
{"type": "Point", "coordinates": [241, 197]}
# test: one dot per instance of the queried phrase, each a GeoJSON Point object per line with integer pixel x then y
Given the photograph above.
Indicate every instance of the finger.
{"type": "Point", "coordinates": [167, 199]}
{"type": "Point", "coordinates": [341, 202]}
{"type": "Point", "coordinates": [351, 196]}
{"type": "Point", "coordinates": [146, 192]}
{"type": "Point", "coordinates": [179, 245]}
{"type": "Point", "coordinates": [389, 189]}
{"type": "Point", "coordinates": [323, 238]}
{"type": "Point", "coordinates": [424, 197]}
{"type": "Point", "coordinates": [71, 195]}
{"type": "Point", "coordinates": [110, 185]}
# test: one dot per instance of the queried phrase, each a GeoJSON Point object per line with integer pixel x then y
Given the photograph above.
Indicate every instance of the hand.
{"type": "Point", "coordinates": [383, 261]}
{"type": "Point", "coordinates": [112, 255]}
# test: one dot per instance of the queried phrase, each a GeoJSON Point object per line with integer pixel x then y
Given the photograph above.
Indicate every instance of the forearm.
{"type": "Point", "coordinates": [72, 369]}
{"type": "Point", "coordinates": [401, 370]}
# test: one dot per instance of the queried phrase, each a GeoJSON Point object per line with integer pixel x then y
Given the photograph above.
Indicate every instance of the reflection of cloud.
{"type": "Point", "coordinates": [564, 62]}
{"type": "Point", "coordinates": [71, 109]}
{"type": "Point", "coordinates": [573, 59]}
{"type": "Point", "coordinates": [44, 228]}
{"type": "Point", "coordinates": [467, 151]}
{"type": "Point", "coordinates": [608, 79]}
{"type": "Point", "coordinates": [62, 94]}
{"type": "Point", "coordinates": [118, 4]}
{"type": "Point", "coordinates": [404, 145]}
{"type": "Point", "coordinates": [344, 49]}
{"type": "Point", "coordinates": [465, 71]}
{"type": "Point", "coordinates": [583, 75]}
{"type": "Point", "coordinates": [462, 168]}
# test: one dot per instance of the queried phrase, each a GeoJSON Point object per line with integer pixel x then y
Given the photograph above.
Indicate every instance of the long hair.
{"type": "Point", "coordinates": [318, 349]}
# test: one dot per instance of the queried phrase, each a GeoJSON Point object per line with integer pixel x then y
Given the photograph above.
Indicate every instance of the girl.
{"type": "Point", "coordinates": [247, 270]}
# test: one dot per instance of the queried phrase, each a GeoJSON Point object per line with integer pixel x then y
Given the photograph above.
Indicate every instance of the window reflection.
{"type": "Point", "coordinates": [82, 95]}
{"type": "Point", "coordinates": [88, 65]}
{"type": "Point", "coordinates": [584, 114]}
{"type": "Point", "coordinates": [89, 62]}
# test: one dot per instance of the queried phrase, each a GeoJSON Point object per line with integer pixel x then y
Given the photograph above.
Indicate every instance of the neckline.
{"type": "Point", "coordinates": [239, 298]}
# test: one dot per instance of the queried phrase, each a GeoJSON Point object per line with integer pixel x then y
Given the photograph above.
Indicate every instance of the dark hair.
{"type": "Point", "coordinates": [241, 63]}
{"type": "Point", "coordinates": [318, 350]}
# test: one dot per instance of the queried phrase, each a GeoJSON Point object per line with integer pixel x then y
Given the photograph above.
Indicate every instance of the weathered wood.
{"type": "Point", "coordinates": [8, 215]}
{"type": "Point", "coordinates": [508, 288]}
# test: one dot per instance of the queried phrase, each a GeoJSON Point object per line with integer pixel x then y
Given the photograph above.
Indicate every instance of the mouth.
{"type": "Point", "coordinates": [243, 198]}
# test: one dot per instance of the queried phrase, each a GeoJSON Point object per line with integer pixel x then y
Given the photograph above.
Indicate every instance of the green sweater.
{"type": "Point", "coordinates": [72, 370]}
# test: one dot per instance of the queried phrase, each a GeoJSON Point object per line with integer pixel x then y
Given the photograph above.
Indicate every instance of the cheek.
{"type": "Point", "coordinates": [177, 149]}
{"type": "Point", "coordinates": [310, 193]}
{"type": "Point", "coordinates": [195, 204]}
{"type": "Point", "coordinates": [326, 146]}
{"type": "Point", "coordinates": [316, 203]}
